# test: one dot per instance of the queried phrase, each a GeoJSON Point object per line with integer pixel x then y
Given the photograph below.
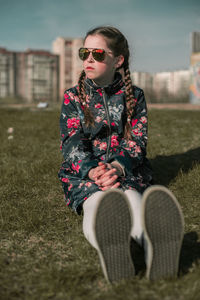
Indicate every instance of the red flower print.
{"type": "Point", "coordinates": [71, 95]}
{"type": "Point", "coordinates": [121, 153]}
{"type": "Point", "coordinates": [60, 145]}
{"type": "Point", "coordinates": [87, 99]}
{"type": "Point", "coordinates": [98, 105]}
{"type": "Point", "coordinates": [100, 92]}
{"type": "Point", "coordinates": [131, 144]}
{"type": "Point", "coordinates": [113, 124]}
{"type": "Point", "coordinates": [85, 198]}
{"type": "Point", "coordinates": [65, 179]}
{"type": "Point", "coordinates": [75, 167]}
{"type": "Point", "coordinates": [136, 132]}
{"type": "Point", "coordinates": [114, 141]}
{"type": "Point", "coordinates": [70, 187]}
{"type": "Point", "coordinates": [88, 184]}
{"type": "Point", "coordinates": [72, 132]}
{"type": "Point", "coordinates": [137, 149]}
{"type": "Point", "coordinates": [143, 120]}
{"type": "Point", "coordinates": [98, 119]}
{"type": "Point", "coordinates": [66, 101]}
{"type": "Point", "coordinates": [103, 146]}
{"type": "Point", "coordinates": [73, 123]}
{"type": "Point", "coordinates": [76, 98]}
{"type": "Point", "coordinates": [96, 142]}
{"type": "Point", "coordinates": [68, 202]}
{"type": "Point", "coordinates": [140, 125]}
{"type": "Point", "coordinates": [134, 121]}
{"type": "Point", "coordinates": [119, 92]}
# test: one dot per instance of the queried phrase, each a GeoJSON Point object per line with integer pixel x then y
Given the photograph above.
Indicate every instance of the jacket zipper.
{"type": "Point", "coordinates": [109, 125]}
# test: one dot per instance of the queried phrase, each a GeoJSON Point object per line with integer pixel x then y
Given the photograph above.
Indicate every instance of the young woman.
{"type": "Point", "coordinates": [105, 170]}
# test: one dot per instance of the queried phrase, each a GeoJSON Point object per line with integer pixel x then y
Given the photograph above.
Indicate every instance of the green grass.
{"type": "Point", "coordinates": [43, 252]}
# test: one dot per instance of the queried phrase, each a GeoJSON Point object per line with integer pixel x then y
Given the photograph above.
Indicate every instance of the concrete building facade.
{"type": "Point", "coordinates": [37, 73]}
{"type": "Point", "coordinates": [70, 65]}
{"type": "Point", "coordinates": [164, 86]}
{"type": "Point", "coordinates": [7, 73]}
{"type": "Point", "coordinates": [31, 75]}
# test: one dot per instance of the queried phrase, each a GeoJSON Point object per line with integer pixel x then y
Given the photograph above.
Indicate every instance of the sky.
{"type": "Point", "coordinates": [158, 31]}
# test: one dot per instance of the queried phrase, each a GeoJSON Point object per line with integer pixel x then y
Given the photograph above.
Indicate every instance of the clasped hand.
{"type": "Point", "coordinates": [105, 176]}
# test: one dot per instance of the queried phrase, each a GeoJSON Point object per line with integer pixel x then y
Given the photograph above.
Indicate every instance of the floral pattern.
{"type": "Point", "coordinates": [84, 147]}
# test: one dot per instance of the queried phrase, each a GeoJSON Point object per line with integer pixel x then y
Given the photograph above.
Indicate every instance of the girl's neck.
{"type": "Point", "coordinates": [102, 83]}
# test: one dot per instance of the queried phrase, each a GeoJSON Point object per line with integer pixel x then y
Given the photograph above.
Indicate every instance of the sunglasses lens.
{"type": "Point", "coordinates": [83, 53]}
{"type": "Point", "coordinates": [98, 54]}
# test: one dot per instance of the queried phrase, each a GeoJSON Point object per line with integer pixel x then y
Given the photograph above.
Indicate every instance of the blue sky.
{"type": "Point", "coordinates": [158, 31]}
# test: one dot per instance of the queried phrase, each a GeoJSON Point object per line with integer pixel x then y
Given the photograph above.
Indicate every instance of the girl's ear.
{"type": "Point", "coordinates": [119, 61]}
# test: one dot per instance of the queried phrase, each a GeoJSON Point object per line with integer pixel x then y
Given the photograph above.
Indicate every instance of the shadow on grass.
{"type": "Point", "coordinates": [190, 252]}
{"type": "Point", "coordinates": [166, 168]}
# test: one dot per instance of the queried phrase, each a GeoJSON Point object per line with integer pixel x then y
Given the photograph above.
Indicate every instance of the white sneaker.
{"type": "Point", "coordinates": [113, 223]}
{"type": "Point", "coordinates": [163, 232]}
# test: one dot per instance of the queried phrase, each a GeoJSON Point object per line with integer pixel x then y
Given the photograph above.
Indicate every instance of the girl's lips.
{"type": "Point", "coordinates": [89, 68]}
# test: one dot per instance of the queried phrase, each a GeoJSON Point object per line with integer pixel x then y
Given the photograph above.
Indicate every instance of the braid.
{"type": "Point", "coordinates": [88, 116]}
{"type": "Point", "coordinates": [129, 101]}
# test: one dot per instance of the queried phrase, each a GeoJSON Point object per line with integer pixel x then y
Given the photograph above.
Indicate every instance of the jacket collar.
{"type": "Point", "coordinates": [112, 88]}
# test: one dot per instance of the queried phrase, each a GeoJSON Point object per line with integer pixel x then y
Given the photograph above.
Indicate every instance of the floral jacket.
{"type": "Point", "coordinates": [84, 147]}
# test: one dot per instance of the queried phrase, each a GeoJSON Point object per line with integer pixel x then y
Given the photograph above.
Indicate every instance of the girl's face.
{"type": "Point", "coordinates": [101, 72]}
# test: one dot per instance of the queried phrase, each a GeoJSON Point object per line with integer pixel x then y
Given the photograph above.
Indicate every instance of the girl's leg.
{"type": "Point", "coordinates": [107, 224]}
{"type": "Point", "coordinates": [135, 202]}
{"type": "Point", "coordinates": [89, 210]}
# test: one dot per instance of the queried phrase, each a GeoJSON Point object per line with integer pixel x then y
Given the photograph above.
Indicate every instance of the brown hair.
{"type": "Point", "coordinates": [117, 42]}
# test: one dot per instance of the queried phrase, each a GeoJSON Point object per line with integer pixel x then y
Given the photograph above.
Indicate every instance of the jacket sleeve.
{"type": "Point", "coordinates": [75, 146]}
{"type": "Point", "coordinates": [130, 154]}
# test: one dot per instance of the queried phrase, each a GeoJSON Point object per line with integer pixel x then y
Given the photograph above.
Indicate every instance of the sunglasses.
{"type": "Point", "coordinates": [97, 54]}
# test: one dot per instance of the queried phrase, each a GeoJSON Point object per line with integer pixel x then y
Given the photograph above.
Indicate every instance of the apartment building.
{"type": "Point", "coordinates": [7, 73]}
{"type": "Point", "coordinates": [37, 73]}
{"type": "Point", "coordinates": [31, 75]}
{"type": "Point", "coordinates": [164, 86]}
{"type": "Point", "coordinates": [70, 65]}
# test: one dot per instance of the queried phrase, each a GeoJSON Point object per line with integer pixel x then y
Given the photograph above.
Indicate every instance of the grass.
{"type": "Point", "coordinates": [43, 253]}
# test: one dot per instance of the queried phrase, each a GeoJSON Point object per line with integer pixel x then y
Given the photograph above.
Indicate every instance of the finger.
{"type": "Point", "coordinates": [116, 185]}
{"type": "Point", "coordinates": [109, 173]}
{"type": "Point", "coordinates": [99, 169]}
{"type": "Point", "coordinates": [107, 180]}
{"type": "Point", "coordinates": [99, 173]}
{"type": "Point", "coordinates": [101, 163]}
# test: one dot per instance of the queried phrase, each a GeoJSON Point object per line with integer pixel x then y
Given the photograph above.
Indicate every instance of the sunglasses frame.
{"type": "Point", "coordinates": [93, 51]}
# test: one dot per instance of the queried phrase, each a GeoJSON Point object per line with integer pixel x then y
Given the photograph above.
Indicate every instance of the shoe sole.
{"type": "Point", "coordinates": [163, 230]}
{"type": "Point", "coordinates": [113, 226]}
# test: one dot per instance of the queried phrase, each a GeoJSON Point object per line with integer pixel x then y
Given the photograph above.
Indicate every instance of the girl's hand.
{"type": "Point", "coordinates": [105, 176]}
{"type": "Point", "coordinates": [108, 179]}
{"type": "Point", "coordinates": [97, 172]}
